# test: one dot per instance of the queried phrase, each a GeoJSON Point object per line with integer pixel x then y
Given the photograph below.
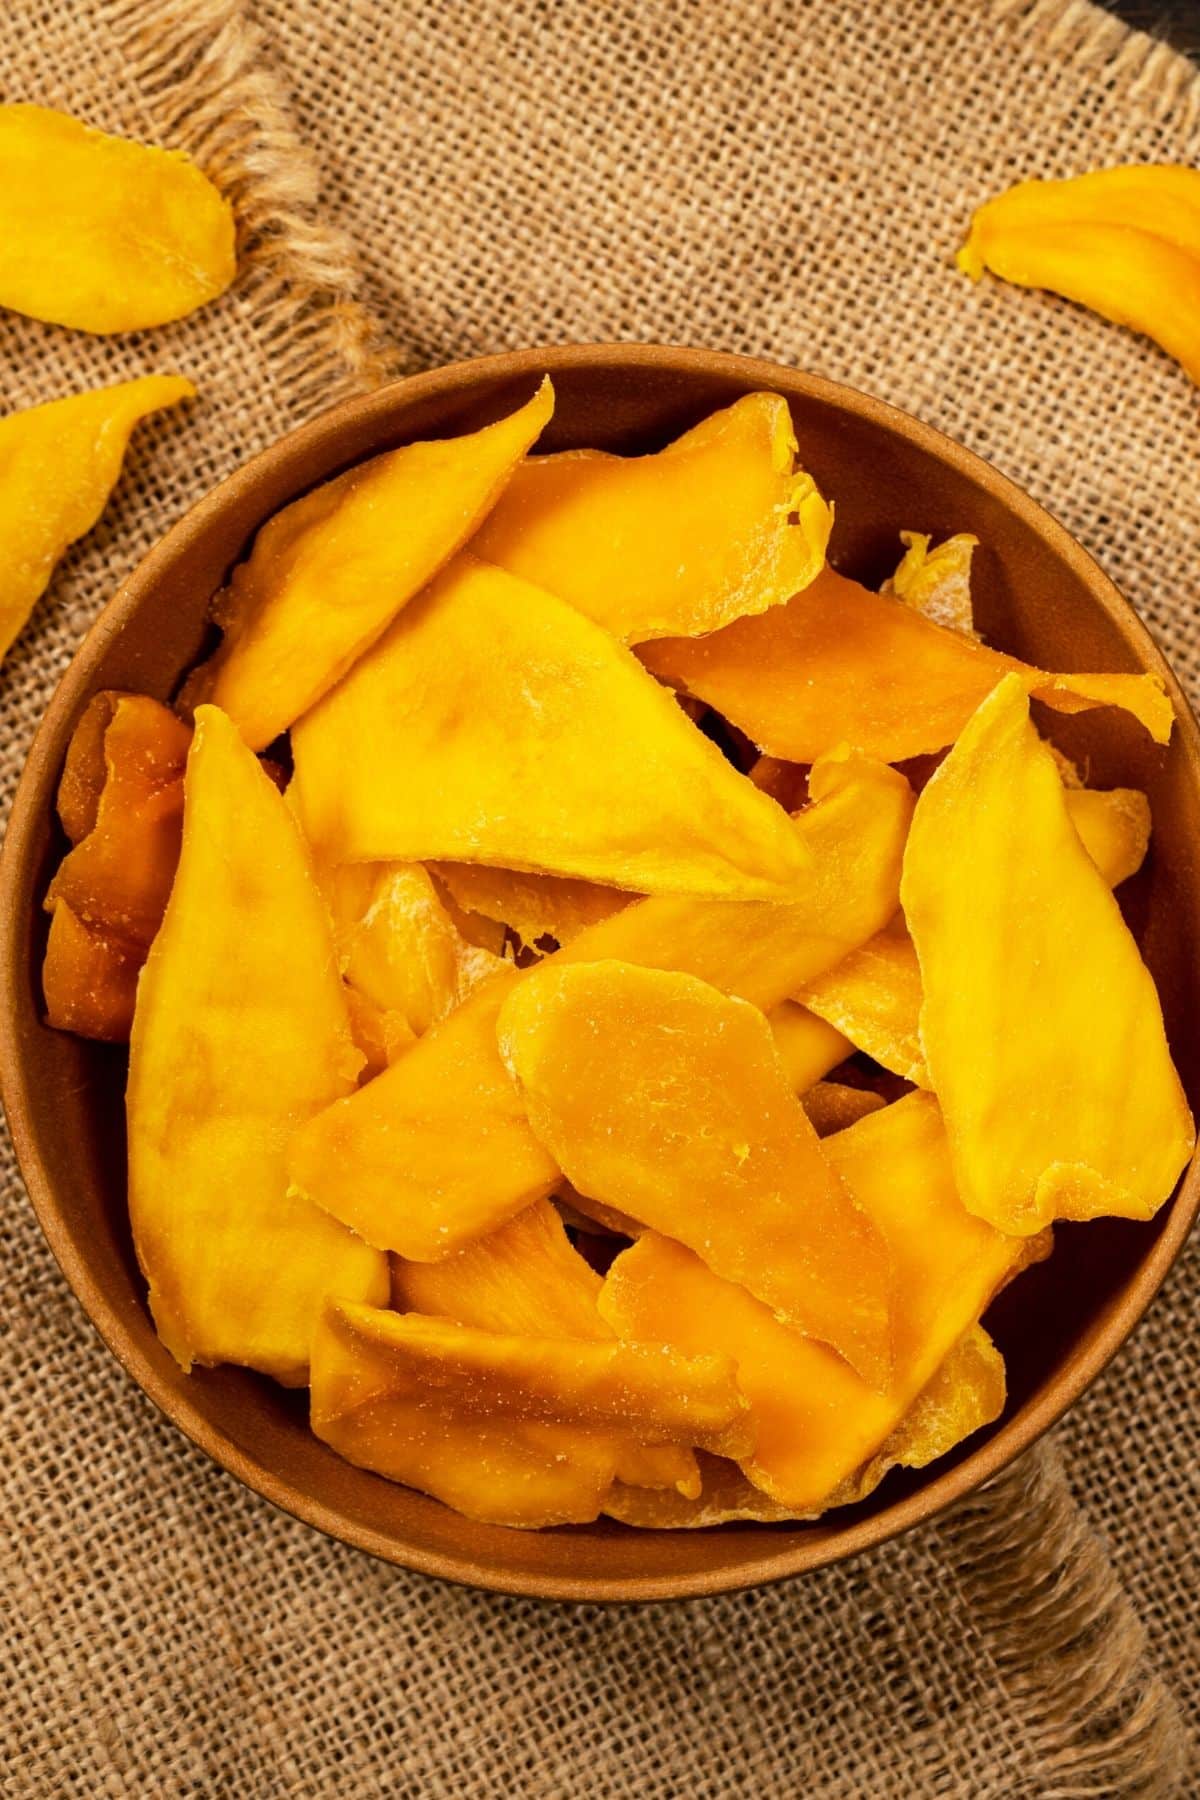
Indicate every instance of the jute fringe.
{"type": "Point", "coordinates": [1163, 83]}
{"type": "Point", "coordinates": [200, 66]}
{"type": "Point", "coordinates": [1068, 1645]}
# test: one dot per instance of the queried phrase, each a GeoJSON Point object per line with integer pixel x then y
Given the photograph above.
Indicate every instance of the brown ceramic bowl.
{"type": "Point", "coordinates": [1038, 595]}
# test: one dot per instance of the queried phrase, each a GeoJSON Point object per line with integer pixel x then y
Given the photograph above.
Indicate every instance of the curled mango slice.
{"type": "Point", "coordinates": [1124, 242]}
{"type": "Point", "coordinates": [839, 664]}
{"type": "Point", "coordinates": [616, 1064]}
{"type": "Point", "coordinates": [533, 906]}
{"type": "Point", "coordinates": [58, 465]}
{"type": "Point", "coordinates": [718, 525]}
{"type": "Point", "coordinates": [102, 233]}
{"type": "Point", "coordinates": [528, 1280]}
{"type": "Point", "coordinates": [516, 1430]}
{"type": "Point", "coordinates": [494, 723]}
{"type": "Point", "coordinates": [394, 1161]}
{"type": "Point", "coordinates": [1040, 1023]}
{"type": "Point", "coordinates": [818, 1422]}
{"type": "Point", "coordinates": [937, 583]}
{"type": "Point", "coordinates": [328, 574]}
{"type": "Point", "coordinates": [240, 1033]}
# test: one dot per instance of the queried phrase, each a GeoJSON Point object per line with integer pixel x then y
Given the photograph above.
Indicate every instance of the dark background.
{"type": "Point", "coordinates": [1178, 21]}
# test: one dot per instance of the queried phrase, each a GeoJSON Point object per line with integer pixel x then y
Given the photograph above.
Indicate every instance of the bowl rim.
{"type": "Point", "coordinates": [1014, 1436]}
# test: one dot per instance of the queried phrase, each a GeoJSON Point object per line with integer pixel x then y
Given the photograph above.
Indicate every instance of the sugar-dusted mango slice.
{"type": "Point", "coordinates": [527, 1279]}
{"type": "Point", "coordinates": [966, 1393]}
{"type": "Point", "coordinates": [818, 1422]}
{"type": "Point", "coordinates": [936, 582]}
{"type": "Point", "coordinates": [102, 233]}
{"type": "Point", "coordinates": [493, 723]}
{"type": "Point", "coordinates": [396, 1161]}
{"type": "Point", "coordinates": [534, 906]}
{"type": "Point", "coordinates": [1041, 1026]}
{"type": "Point", "coordinates": [661, 1096]}
{"type": "Point", "coordinates": [58, 465]}
{"type": "Point", "coordinates": [718, 525]}
{"type": "Point", "coordinates": [839, 664]}
{"type": "Point", "coordinates": [240, 1033]}
{"type": "Point", "coordinates": [513, 1429]}
{"type": "Point", "coordinates": [327, 575]}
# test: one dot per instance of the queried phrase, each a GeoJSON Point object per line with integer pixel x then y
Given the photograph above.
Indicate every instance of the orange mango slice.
{"type": "Point", "coordinates": [327, 575]}
{"type": "Point", "coordinates": [535, 907]}
{"type": "Point", "coordinates": [240, 1033]}
{"type": "Point", "coordinates": [1041, 1026]}
{"type": "Point", "coordinates": [718, 525]}
{"type": "Point", "coordinates": [936, 582]}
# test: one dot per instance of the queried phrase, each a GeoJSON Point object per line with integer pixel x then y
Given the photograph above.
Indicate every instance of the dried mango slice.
{"type": "Point", "coordinates": [936, 583]}
{"type": "Point", "coordinates": [395, 1163]}
{"type": "Point", "coordinates": [101, 233]}
{"type": "Point", "coordinates": [839, 664]}
{"type": "Point", "coordinates": [1040, 1023]}
{"type": "Point", "coordinates": [495, 724]}
{"type": "Point", "coordinates": [89, 979]}
{"type": "Point", "coordinates": [327, 575]}
{"type": "Point", "coordinates": [966, 1393]}
{"type": "Point", "coordinates": [58, 465]}
{"type": "Point", "coordinates": [717, 525]}
{"type": "Point", "coordinates": [808, 1047]}
{"type": "Point", "coordinates": [516, 1430]}
{"type": "Point", "coordinates": [833, 1106]}
{"type": "Point", "coordinates": [240, 1033]}
{"type": "Point", "coordinates": [534, 906]}
{"type": "Point", "coordinates": [399, 948]}
{"type": "Point", "coordinates": [616, 1064]}
{"type": "Point", "coordinates": [527, 1279]}
{"type": "Point", "coordinates": [1124, 242]}
{"type": "Point", "coordinates": [1114, 828]}
{"type": "Point", "coordinates": [818, 1422]}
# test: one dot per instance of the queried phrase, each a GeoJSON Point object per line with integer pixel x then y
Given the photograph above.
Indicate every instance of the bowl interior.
{"type": "Point", "coordinates": [1037, 595]}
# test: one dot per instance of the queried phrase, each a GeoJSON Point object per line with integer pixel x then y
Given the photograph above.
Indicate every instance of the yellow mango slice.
{"type": "Point", "coordinates": [808, 1047]}
{"type": "Point", "coordinates": [526, 1279]}
{"type": "Point", "coordinates": [1114, 828]}
{"type": "Point", "coordinates": [101, 233]}
{"type": "Point", "coordinates": [394, 1161]}
{"type": "Point", "coordinates": [839, 664]}
{"type": "Point", "coordinates": [534, 906]}
{"type": "Point", "coordinates": [327, 575]}
{"type": "Point", "coordinates": [1124, 242]}
{"type": "Point", "coordinates": [1040, 1023]}
{"type": "Point", "coordinates": [495, 724]}
{"type": "Point", "coordinates": [818, 1422]}
{"type": "Point", "coordinates": [512, 1429]}
{"type": "Point", "coordinates": [240, 1033]}
{"type": "Point", "coordinates": [936, 583]}
{"type": "Point", "coordinates": [616, 1064]}
{"type": "Point", "coordinates": [966, 1393]}
{"type": "Point", "coordinates": [58, 465]}
{"type": "Point", "coordinates": [397, 945]}
{"type": "Point", "coordinates": [718, 525]}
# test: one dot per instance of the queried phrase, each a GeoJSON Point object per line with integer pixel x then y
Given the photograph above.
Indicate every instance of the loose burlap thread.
{"type": "Point", "coordinates": [783, 179]}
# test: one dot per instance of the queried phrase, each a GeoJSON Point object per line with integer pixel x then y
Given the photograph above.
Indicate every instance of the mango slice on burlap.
{"type": "Point", "coordinates": [657, 1094]}
{"type": "Point", "coordinates": [718, 525]}
{"type": "Point", "coordinates": [121, 803]}
{"type": "Point", "coordinates": [527, 1279]}
{"type": "Point", "coordinates": [438, 1149]}
{"type": "Point", "coordinates": [818, 1421]}
{"type": "Point", "coordinates": [966, 1393]}
{"type": "Point", "coordinates": [327, 575]}
{"type": "Point", "coordinates": [102, 233]}
{"type": "Point", "coordinates": [1041, 1026]}
{"type": "Point", "coordinates": [873, 995]}
{"type": "Point", "coordinates": [58, 465]}
{"type": "Point", "coordinates": [535, 907]}
{"type": "Point", "coordinates": [936, 582]}
{"type": "Point", "coordinates": [240, 1033]}
{"type": "Point", "coordinates": [839, 664]}
{"type": "Point", "coordinates": [511, 1429]}
{"type": "Point", "coordinates": [495, 724]}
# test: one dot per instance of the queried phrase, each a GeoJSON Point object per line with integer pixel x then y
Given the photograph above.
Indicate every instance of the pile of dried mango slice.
{"type": "Point", "coordinates": [596, 1119]}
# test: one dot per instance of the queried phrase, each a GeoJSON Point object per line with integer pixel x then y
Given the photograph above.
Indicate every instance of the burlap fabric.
{"type": "Point", "coordinates": [778, 178]}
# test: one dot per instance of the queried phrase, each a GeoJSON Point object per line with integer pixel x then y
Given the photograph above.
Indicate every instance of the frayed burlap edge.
{"type": "Point", "coordinates": [1141, 69]}
{"type": "Point", "coordinates": [201, 69]}
{"type": "Point", "coordinates": [1065, 1641]}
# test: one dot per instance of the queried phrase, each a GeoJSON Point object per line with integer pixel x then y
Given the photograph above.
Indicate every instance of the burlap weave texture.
{"type": "Point", "coordinates": [784, 179]}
